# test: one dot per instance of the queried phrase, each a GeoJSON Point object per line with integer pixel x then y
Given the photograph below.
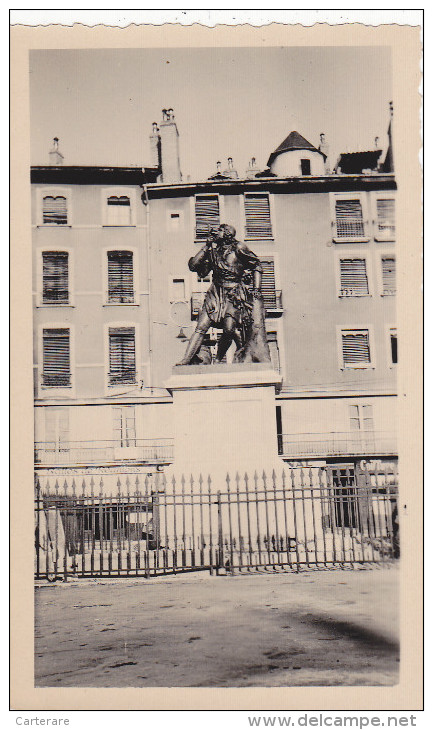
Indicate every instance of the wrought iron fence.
{"type": "Point", "coordinates": [302, 517]}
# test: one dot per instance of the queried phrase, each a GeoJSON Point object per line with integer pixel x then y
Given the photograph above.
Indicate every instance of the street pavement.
{"type": "Point", "coordinates": [334, 627]}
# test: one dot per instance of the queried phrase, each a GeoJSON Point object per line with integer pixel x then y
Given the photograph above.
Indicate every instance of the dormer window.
{"type": "Point", "coordinates": [305, 167]}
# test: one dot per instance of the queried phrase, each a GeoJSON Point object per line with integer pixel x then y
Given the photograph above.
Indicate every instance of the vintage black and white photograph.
{"type": "Point", "coordinates": [216, 362]}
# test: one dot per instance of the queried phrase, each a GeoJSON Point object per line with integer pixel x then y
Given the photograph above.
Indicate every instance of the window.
{"type": "Point", "coordinates": [361, 418]}
{"type": "Point", "coordinates": [305, 167]}
{"type": "Point", "coordinates": [274, 350]}
{"type": "Point", "coordinates": [124, 426]}
{"type": "Point", "coordinates": [389, 286]}
{"type": "Point", "coordinates": [54, 210]}
{"type": "Point", "coordinates": [257, 216]}
{"type": "Point", "coordinates": [207, 214]}
{"type": "Point", "coordinates": [120, 277]}
{"type": "Point", "coordinates": [56, 429]}
{"type": "Point", "coordinates": [118, 206]}
{"type": "Point", "coordinates": [178, 293]}
{"type": "Point", "coordinates": [56, 364]}
{"type": "Point", "coordinates": [356, 349]}
{"type": "Point", "coordinates": [55, 277]}
{"type": "Point", "coordinates": [393, 345]}
{"type": "Point", "coordinates": [268, 283]}
{"type": "Point", "coordinates": [385, 221]}
{"type": "Point", "coordinates": [122, 355]}
{"type": "Point", "coordinates": [353, 278]}
{"type": "Point", "coordinates": [348, 217]}
{"type": "Point", "coordinates": [174, 220]}
{"type": "Point", "coordinates": [118, 211]}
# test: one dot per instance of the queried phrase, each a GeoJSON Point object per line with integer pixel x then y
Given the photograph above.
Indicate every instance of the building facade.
{"type": "Point", "coordinates": [114, 302]}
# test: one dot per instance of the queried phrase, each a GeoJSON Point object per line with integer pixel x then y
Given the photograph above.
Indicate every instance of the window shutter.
{"type": "Point", "coordinates": [124, 425]}
{"type": "Point", "coordinates": [56, 357]}
{"type": "Point", "coordinates": [120, 276]}
{"type": "Point", "coordinates": [354, 419]}
{"type": "Point", "coordinates": [207, 214]}
{"type": "Point", "coordinates": [386, 217]}
{"type": "Point", "coordinates": [55, 277]}
{"type": "Point", "coordinates": [353, 277]}
{"type": "Point", "coordinates": [56, 429]}
{"type": "Point", "coordinates": [273, 350]}
{"type": "Point", "coordinates": [257, 216]}
{"type": "Point", "coordinates": [122, 355]}
{"type": "Point", "coordinates": [356, 348]}
{"type": "Point", "coordinates": [367, 418]}
{"type": "Point", "coordinates": [118, 210]}
{"type": "Point", "coordinates": [54, 210]}
{"type": "Point", "coordinates": [349, 221]}
{"type": "Point", "coordinates": [268, 283]}
{"type": "Point", "coordinates": [388, 275]}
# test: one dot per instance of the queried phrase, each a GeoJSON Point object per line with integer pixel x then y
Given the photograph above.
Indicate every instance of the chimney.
{"type": "Point", "coordinates": [376, 143]}
{"type": "Point", "coordinates": [169, 142]}
{"type": "Point", "coordinates": [324, 147]}
{"type": "Point", "coordinates": [230, 172]}
{"type": "Point", "coordinates": [155, 146]}
{"type": "Point", "coordinates": [252, 169]}
{"type": "Point", "coordinates": [55, 157]}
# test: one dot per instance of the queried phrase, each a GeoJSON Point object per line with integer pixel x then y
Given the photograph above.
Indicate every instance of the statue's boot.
{"type": "Point", "coordinates": [193, 347]}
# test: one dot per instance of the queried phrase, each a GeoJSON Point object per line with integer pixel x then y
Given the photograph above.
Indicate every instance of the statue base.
{"type": "Point", "coordinates": [224, 420]}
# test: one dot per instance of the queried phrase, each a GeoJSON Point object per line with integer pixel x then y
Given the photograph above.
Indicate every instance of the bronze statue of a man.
{"type": "Point", "coordinates": [231, 302]}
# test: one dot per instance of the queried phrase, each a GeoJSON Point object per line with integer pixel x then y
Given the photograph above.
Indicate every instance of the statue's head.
{"type": "Point", "coordinates": [229, 231]}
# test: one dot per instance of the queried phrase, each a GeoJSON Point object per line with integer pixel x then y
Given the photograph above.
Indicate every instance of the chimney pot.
{"type": "Point", "coordinates": [55, 156]}
{"type": "Point", "coordinates": [230, 162]}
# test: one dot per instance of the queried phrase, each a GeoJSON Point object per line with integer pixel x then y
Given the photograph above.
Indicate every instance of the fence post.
{"type": "Point", "coordinates": [220, 560]}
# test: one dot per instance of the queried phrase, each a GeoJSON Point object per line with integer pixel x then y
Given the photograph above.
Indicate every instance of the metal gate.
{"type": "Point", "coordinates": [312, 517]}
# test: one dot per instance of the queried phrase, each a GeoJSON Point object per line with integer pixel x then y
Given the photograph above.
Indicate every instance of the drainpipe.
{"type": "Point", "coordinates": [145, 199]}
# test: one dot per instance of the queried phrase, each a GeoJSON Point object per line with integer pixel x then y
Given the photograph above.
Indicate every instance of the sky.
{"type": "Point", "coordinates": [228, 102]}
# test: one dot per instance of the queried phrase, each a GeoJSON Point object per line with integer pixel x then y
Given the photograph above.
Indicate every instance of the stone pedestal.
{"type": "Point", "coordinates": [224, 420]}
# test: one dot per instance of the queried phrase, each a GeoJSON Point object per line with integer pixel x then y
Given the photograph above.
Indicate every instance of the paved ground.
{"type": "Point", "coordinates": [337, 627]}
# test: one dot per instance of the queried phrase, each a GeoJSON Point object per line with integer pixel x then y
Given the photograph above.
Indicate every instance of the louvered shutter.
{"type": "Point", "coordinates": [207, 214]}
{"type": "Point", "coordinates": [386, 217]}
{"type": "Point", "coordinates": [120, 276]}
{"type": "Point", "coordinates": [118, 210]}
{"type": "Point", "coordinates": [56, 357]}
{"type": "Point", "coordinates": [273, 350]}
{"type": "Point", "coordinates": [257, 216]}
{"type": "Point", "coordinates": [353, 277]}
{"type": "Point", "coordinates": [268, 283]}
{"type": "Point", "coordinates": [122, 355]}
{"type": "Point", "coordinates": [55, 286]}
{"type": "Point", "coordinates": [54, 210]}
{"type": "Point", "coordinates": [388, 275]}
{"type": "Point", "coordinates": [356, 348]}
{"type": "Point", "coordinates": [348, 214]}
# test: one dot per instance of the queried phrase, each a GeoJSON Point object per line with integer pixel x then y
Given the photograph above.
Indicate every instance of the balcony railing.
{"type": "Point", "coordinates": [132, 451]}
{"type": "Point", "coordinates": [273, 302]}
{"type": "Point", "coordinates": [338, 443]}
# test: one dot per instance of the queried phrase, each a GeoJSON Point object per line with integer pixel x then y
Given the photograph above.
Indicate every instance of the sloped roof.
{"type": "Point", "coordinates": [294, 141]}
